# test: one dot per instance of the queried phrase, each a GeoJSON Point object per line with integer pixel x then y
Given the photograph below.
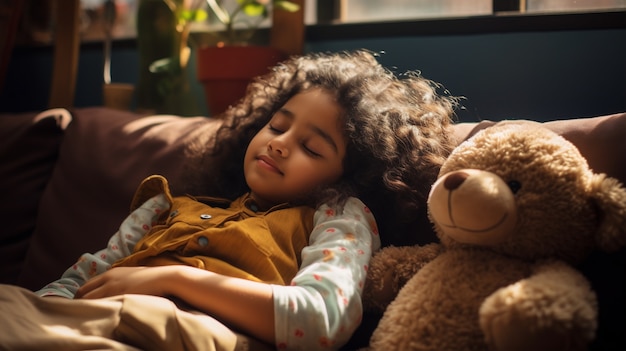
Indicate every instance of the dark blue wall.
{"type": "Point", "coordinates": [29, 76]}
{"type": "Point", "coordinates": [536, 75]}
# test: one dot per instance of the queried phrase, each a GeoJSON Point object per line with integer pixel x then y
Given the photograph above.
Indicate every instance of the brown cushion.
{"type": "Point", "coordinates": [29, 144]}
{"type": "Point", "coordinates": [601, 140]}
{"type": "Point", "coordinates": [103, 158]}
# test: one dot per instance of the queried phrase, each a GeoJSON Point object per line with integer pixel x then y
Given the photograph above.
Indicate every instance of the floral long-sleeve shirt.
{"type": "Point", "coordinates": [321, 307]}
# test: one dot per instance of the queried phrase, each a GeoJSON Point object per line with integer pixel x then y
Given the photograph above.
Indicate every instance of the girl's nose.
{"type": "Point", "coordinates": [278, 146]}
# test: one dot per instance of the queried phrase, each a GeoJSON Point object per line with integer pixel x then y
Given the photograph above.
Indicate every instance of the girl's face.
{"type": "Point", "coordinates": [301, 148]}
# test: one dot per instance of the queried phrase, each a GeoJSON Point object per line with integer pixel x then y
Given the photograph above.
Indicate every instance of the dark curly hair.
{"type": "Point", "coordinates": [395, 127]}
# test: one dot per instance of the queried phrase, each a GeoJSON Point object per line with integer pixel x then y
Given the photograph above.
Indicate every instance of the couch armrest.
{"type": "Point", "coordinates": [29, 147]}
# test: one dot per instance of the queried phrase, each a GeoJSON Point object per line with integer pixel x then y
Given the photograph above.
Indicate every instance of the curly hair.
{"type": "Point", "coordinates": [395, 127]}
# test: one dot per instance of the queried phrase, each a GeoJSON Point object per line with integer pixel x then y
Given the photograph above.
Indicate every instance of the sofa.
{"type": "Point", "coordinates": [66, 180]}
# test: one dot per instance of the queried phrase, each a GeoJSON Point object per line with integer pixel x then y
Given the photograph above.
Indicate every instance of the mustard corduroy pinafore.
{"type": "Point", "coordinates": [225, 237]}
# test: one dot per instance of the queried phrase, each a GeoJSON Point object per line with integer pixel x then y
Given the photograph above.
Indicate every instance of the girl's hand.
{"type": "Point", "coordinates": [228, 299]}
{"type": "Point", "coordinates": [126, 280]}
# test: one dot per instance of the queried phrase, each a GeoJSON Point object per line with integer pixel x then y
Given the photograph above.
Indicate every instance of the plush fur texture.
{"type": "Point", "coordinates": [516, 209]}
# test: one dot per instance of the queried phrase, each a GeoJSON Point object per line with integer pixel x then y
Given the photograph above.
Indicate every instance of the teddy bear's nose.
{"type": "Point", "coordinates": [454, 180]}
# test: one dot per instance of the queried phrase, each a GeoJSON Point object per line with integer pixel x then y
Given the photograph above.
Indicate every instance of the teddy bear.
{"type": "Point", "coordinates": [516, 209]}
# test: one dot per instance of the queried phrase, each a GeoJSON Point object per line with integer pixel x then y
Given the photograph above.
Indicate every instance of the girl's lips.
{"type": "Point", "coordinates": [268, 163]}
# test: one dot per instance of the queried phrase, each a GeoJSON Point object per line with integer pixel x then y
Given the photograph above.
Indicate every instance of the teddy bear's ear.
{"type": "Point", "coordinates": [610, 196]}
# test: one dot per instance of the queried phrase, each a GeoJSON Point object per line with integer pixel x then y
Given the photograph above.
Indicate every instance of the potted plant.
{"type": "Point", "coordinates": [243, 18]}
{"type": "Point", "coordinates": [162, 40]}
{"type": "Point", "coordinates": [229, 61]}
{"type": "Point", "coordinates": [225, 63]}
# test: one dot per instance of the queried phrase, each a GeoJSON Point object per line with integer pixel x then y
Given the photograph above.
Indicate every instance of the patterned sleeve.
{"type": "Point", "coordinates": [121, 244]}
{"type": "Point", "coordinates": [322, 307]}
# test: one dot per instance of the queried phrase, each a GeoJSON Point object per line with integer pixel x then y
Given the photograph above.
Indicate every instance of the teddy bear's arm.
{"type": "Point", "coordinates": [554, 309]}
{"type": "Point", "coordinates": [389, 269]}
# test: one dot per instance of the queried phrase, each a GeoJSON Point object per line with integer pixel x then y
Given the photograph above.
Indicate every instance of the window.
{"type": "Point", "coordinates": [37, 20]}
{"type": "Point", "coordinates": [351, 11]}
{"type": "Point", "coordinates": [347, 11]}
{"type": "Point", "coordinates": [92, 19]}
{"type": "Point", "coordinates": [37, 27]}
{"type": "Point", "coordinates": [568, 5]}
{"type": "Point", "coordinates": [376, 10]}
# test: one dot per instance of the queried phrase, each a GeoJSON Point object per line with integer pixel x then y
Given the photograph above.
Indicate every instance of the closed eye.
{"type": "Point", "coordinates": [275, 130]}
{"type": "Point", "coordinates": [310, 152]}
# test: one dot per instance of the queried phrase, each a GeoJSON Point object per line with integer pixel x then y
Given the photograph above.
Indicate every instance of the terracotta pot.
{"type": "Point", "coordinates": [226, 71]}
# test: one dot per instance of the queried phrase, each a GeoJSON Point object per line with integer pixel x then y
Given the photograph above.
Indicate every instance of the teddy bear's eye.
{"type": "Point", "coordinates": [514, 185]}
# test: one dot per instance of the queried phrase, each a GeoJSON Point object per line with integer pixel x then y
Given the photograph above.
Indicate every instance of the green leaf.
{"type": "Point", "coordinates": [286, 6]}
{"type": "Point", "coordinates": [185, 15]}
{"type": "Point", "coordinates": [200, 15]}
{"type": "Point", "coordinates": [193, 15]}
{"type": "Point", "coordinates": [254, 9]}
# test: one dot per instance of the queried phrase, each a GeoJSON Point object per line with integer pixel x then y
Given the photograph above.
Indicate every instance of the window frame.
{"type": "Point", "coordinates": [504, 22]}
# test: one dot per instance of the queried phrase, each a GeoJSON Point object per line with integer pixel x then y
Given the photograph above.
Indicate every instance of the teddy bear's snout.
{"type": "Point", "coordinates": [473, 206]}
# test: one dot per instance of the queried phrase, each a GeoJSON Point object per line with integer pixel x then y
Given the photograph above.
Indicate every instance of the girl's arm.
{"type": "Point", "coordinates": [319, 310]}
{"type": "Point", "coordinates": [121, 244]}
{"type": "Point", "coordinates": [322, 307]}
{"type": "Point", "coordinates": [244, 304]}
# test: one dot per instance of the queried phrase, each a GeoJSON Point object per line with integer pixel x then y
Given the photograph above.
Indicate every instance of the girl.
{"type": "Point", "coordinates": [284, 258]}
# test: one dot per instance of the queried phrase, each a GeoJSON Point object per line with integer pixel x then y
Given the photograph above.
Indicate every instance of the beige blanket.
{"type": "Point", "coordinates": [126, 322]}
